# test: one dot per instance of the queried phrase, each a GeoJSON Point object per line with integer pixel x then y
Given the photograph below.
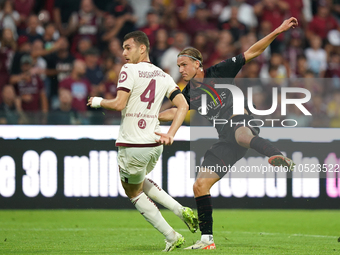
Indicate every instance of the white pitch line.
{"type": "Point", "coordinates": [151, 229]}
{"type": "Point", "coordinates": [268, 233]}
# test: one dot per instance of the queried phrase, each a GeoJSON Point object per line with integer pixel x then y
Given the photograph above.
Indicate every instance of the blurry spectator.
{"type": "Point", "coordinates": [24, 8]}
{"type": "Point", "coordinates": [294, 50]}
{"type": "Point", "coordinates": [274, 12]}
{"type": "Point", "coordinates": [111, 77]}
{"type": "Point", "coordinates": [7, 48]}
{"type": "Point", "coordinates": [264, 29]}
{"type": "Point", "coordinates": [62, 12]}
{"type": "Point", "coordinates": [259, 98]}
{"type": "Point", "coordinates": [9, 18]}
{"type": "Point", "coordinates": [34, 30]}
{"type": "Point", "coordinates": [31, 92]}
{"type": "Point", "coordinates": [85, 22]}
{"type": "Point", "coordinates": [159, 7]}
{"type": "Point", "coordinates": [333, 110]}
{"type": "Point", "coordinates": [245, 13]}
{"type": "Point", "coordinates": [282, 71]}
{"type": "Point", "coordinates": [201, 43]}
{"type": "Point", "coordinates": [24, 48]}
{"type": "Point", "coordinates": [152, 26]}
{"type": "Point", "coordinates": [322, 23]}
{"type": "Point", "coordinates": [169, 59]}
{"type": "Point", "coordinates": [316, 56]}
{"type": "Point", "coordinates": [296, 9]}
{"type": "Point", "coordinates": [312, 84]}
{"type": "Point", "coordinates": [302, 66]}
{"type": "Point", "coordinates": [64, 115]}
{"type": "Point", "coordinates": [94, 72]}
{"type": "Point", "coordinates": [236, 28]}
{"type": "Point", "coordinates": [108, 31]}
{"type": "Point", "coordinates": [59, 66]}
{"type": "Point", "coordinates": [161, 45]}
{"type": "Point", "coordinates": [252, 70]}
{"type": "Point", "coordinates": [50, 35]}
{"type": "Point", "coordinates": [200, 22]}
{"type": "Point", "coordinates": [84, 45]}
{"type": "Point", "coordinates": [39, 64]}
{"type": "Point", "coordinates": [79, 86]}
{"type": "Point", "coordinates": [333, 71]}
{"type": "Point", "coordinates": [115, 49]}
{"type": "Point", "coordinates": [126, 18]}
{"type": "Point", "coordinates": [319, 112]}
{"type": "Point", "coordinates": [222, 51]}
{"type": "Point", "coordinates": [294, 113]}
{"type": "Point", "coordinates": [10, 110]}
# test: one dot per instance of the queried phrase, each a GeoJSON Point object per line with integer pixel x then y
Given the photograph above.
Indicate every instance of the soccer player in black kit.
{"type": "Point", "coordinates": [234, 141]}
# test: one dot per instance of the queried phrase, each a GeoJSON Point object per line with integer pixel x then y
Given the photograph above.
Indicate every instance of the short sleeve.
{"type": "Point", "coordinates": [186, 93]}
{"type": "Point", "coordinates": [171, 86]}
{"type": "Point", "coordinates": [227, 68]}
{"type": "Point", "coordinates": [126, 79]}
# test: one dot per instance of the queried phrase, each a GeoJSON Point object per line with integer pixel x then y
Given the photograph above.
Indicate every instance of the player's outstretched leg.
{"type": "Point", "coordinates": [245, 137]}
{"type": "Point", "coordinates": [158, 195]}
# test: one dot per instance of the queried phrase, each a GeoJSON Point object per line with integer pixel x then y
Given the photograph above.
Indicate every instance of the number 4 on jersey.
{"type": "Point", "coordinates": [151, 87]}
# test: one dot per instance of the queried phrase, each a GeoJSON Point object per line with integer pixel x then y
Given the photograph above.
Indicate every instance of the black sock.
{"type": "Point", "coordinates": [264, 147]}
{"type": "Point", "coordinates": [204, 211]}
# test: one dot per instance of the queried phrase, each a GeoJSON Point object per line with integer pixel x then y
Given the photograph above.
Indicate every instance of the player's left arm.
{"type": "Point", "coordinates": [116, 104]}
{"type": "Point", "coordinates": [182, 108]}
{"type": "Point", "coordinates": [257, 48]}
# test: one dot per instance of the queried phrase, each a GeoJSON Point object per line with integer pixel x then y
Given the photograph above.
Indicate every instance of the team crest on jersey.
{"type": "Point", "coordinates": [122, 77]}
{"type": "Point", "coordinates": [141, 123]}
{"type": "Point", "coordinates": [234, 59]}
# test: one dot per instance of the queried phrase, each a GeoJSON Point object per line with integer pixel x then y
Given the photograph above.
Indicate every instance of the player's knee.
{"type": "Point", "coordinates": [243, 136]}
{"type": "Point", "coordinates": [200, 187]}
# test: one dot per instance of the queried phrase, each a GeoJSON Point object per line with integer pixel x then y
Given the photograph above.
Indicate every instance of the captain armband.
{"type": "Point", "coordinates": [175, 93]}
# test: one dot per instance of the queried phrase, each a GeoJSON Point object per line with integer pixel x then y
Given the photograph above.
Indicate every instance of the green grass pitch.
{"type": "Point", "coordinates": [126, 232]}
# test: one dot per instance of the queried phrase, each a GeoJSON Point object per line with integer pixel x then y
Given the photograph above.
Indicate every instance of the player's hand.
{"type": "Point", "coordinates": [287, 24]}
{"type": "Point", "coordinates": [89, 102]}
{"type": "Point", "coordinates": [165, 139]}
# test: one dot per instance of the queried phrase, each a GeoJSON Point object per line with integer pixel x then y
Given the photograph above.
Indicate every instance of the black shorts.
{"type": "Point", "coordinates": [226, 152]}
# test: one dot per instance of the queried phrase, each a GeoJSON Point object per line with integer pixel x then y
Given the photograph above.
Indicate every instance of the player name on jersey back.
{"type": "Point", "coordinates": [148, 86]}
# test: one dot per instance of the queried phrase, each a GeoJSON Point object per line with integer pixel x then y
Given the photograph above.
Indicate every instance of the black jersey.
{"type": "Point", "coordinates": [219, 101]}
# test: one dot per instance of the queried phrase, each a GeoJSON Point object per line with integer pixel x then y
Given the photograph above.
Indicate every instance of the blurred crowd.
{"type": "Point", "coordinates": [54, 54]}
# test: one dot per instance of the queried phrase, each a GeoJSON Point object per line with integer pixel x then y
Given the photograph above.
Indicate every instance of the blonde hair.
{"type": "Point", "coordinates": [192, 53]}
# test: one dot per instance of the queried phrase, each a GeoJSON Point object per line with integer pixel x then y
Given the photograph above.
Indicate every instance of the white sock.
{"type": "Point", "coordinates": [160, 196]}
{"type": "Point", "coordinates": [207, 238]}
{"type": "Point", "coordinates": [151, 213]}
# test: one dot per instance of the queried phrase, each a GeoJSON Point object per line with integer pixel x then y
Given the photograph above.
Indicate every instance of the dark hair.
{"type": "Point", "coordinates": [139, 37]}
{"type": "Point", "coordinates": [193, 52]}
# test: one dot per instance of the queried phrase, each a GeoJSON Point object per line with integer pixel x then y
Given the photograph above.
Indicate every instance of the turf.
{"type": "Point", "coordinates": [126, 232]}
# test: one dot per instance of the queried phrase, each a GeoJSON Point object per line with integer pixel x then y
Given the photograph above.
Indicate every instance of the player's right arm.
{"type": "Point", "coordinates": [116, 104]}
{"type": "Point", "coordinates": [169, 114]}
{"type": "Point", "coordinates": [182, 108]}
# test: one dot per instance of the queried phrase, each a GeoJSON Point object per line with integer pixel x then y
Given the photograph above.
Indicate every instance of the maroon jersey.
{"type": "Point", "coordinates": [321, 26]}
{"type": "Point", "coordinates": [89, 29]}
{"type": "Point", "coordinates": [33, 88]}
{"type": "Point", "coordinates": [80, 90]}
